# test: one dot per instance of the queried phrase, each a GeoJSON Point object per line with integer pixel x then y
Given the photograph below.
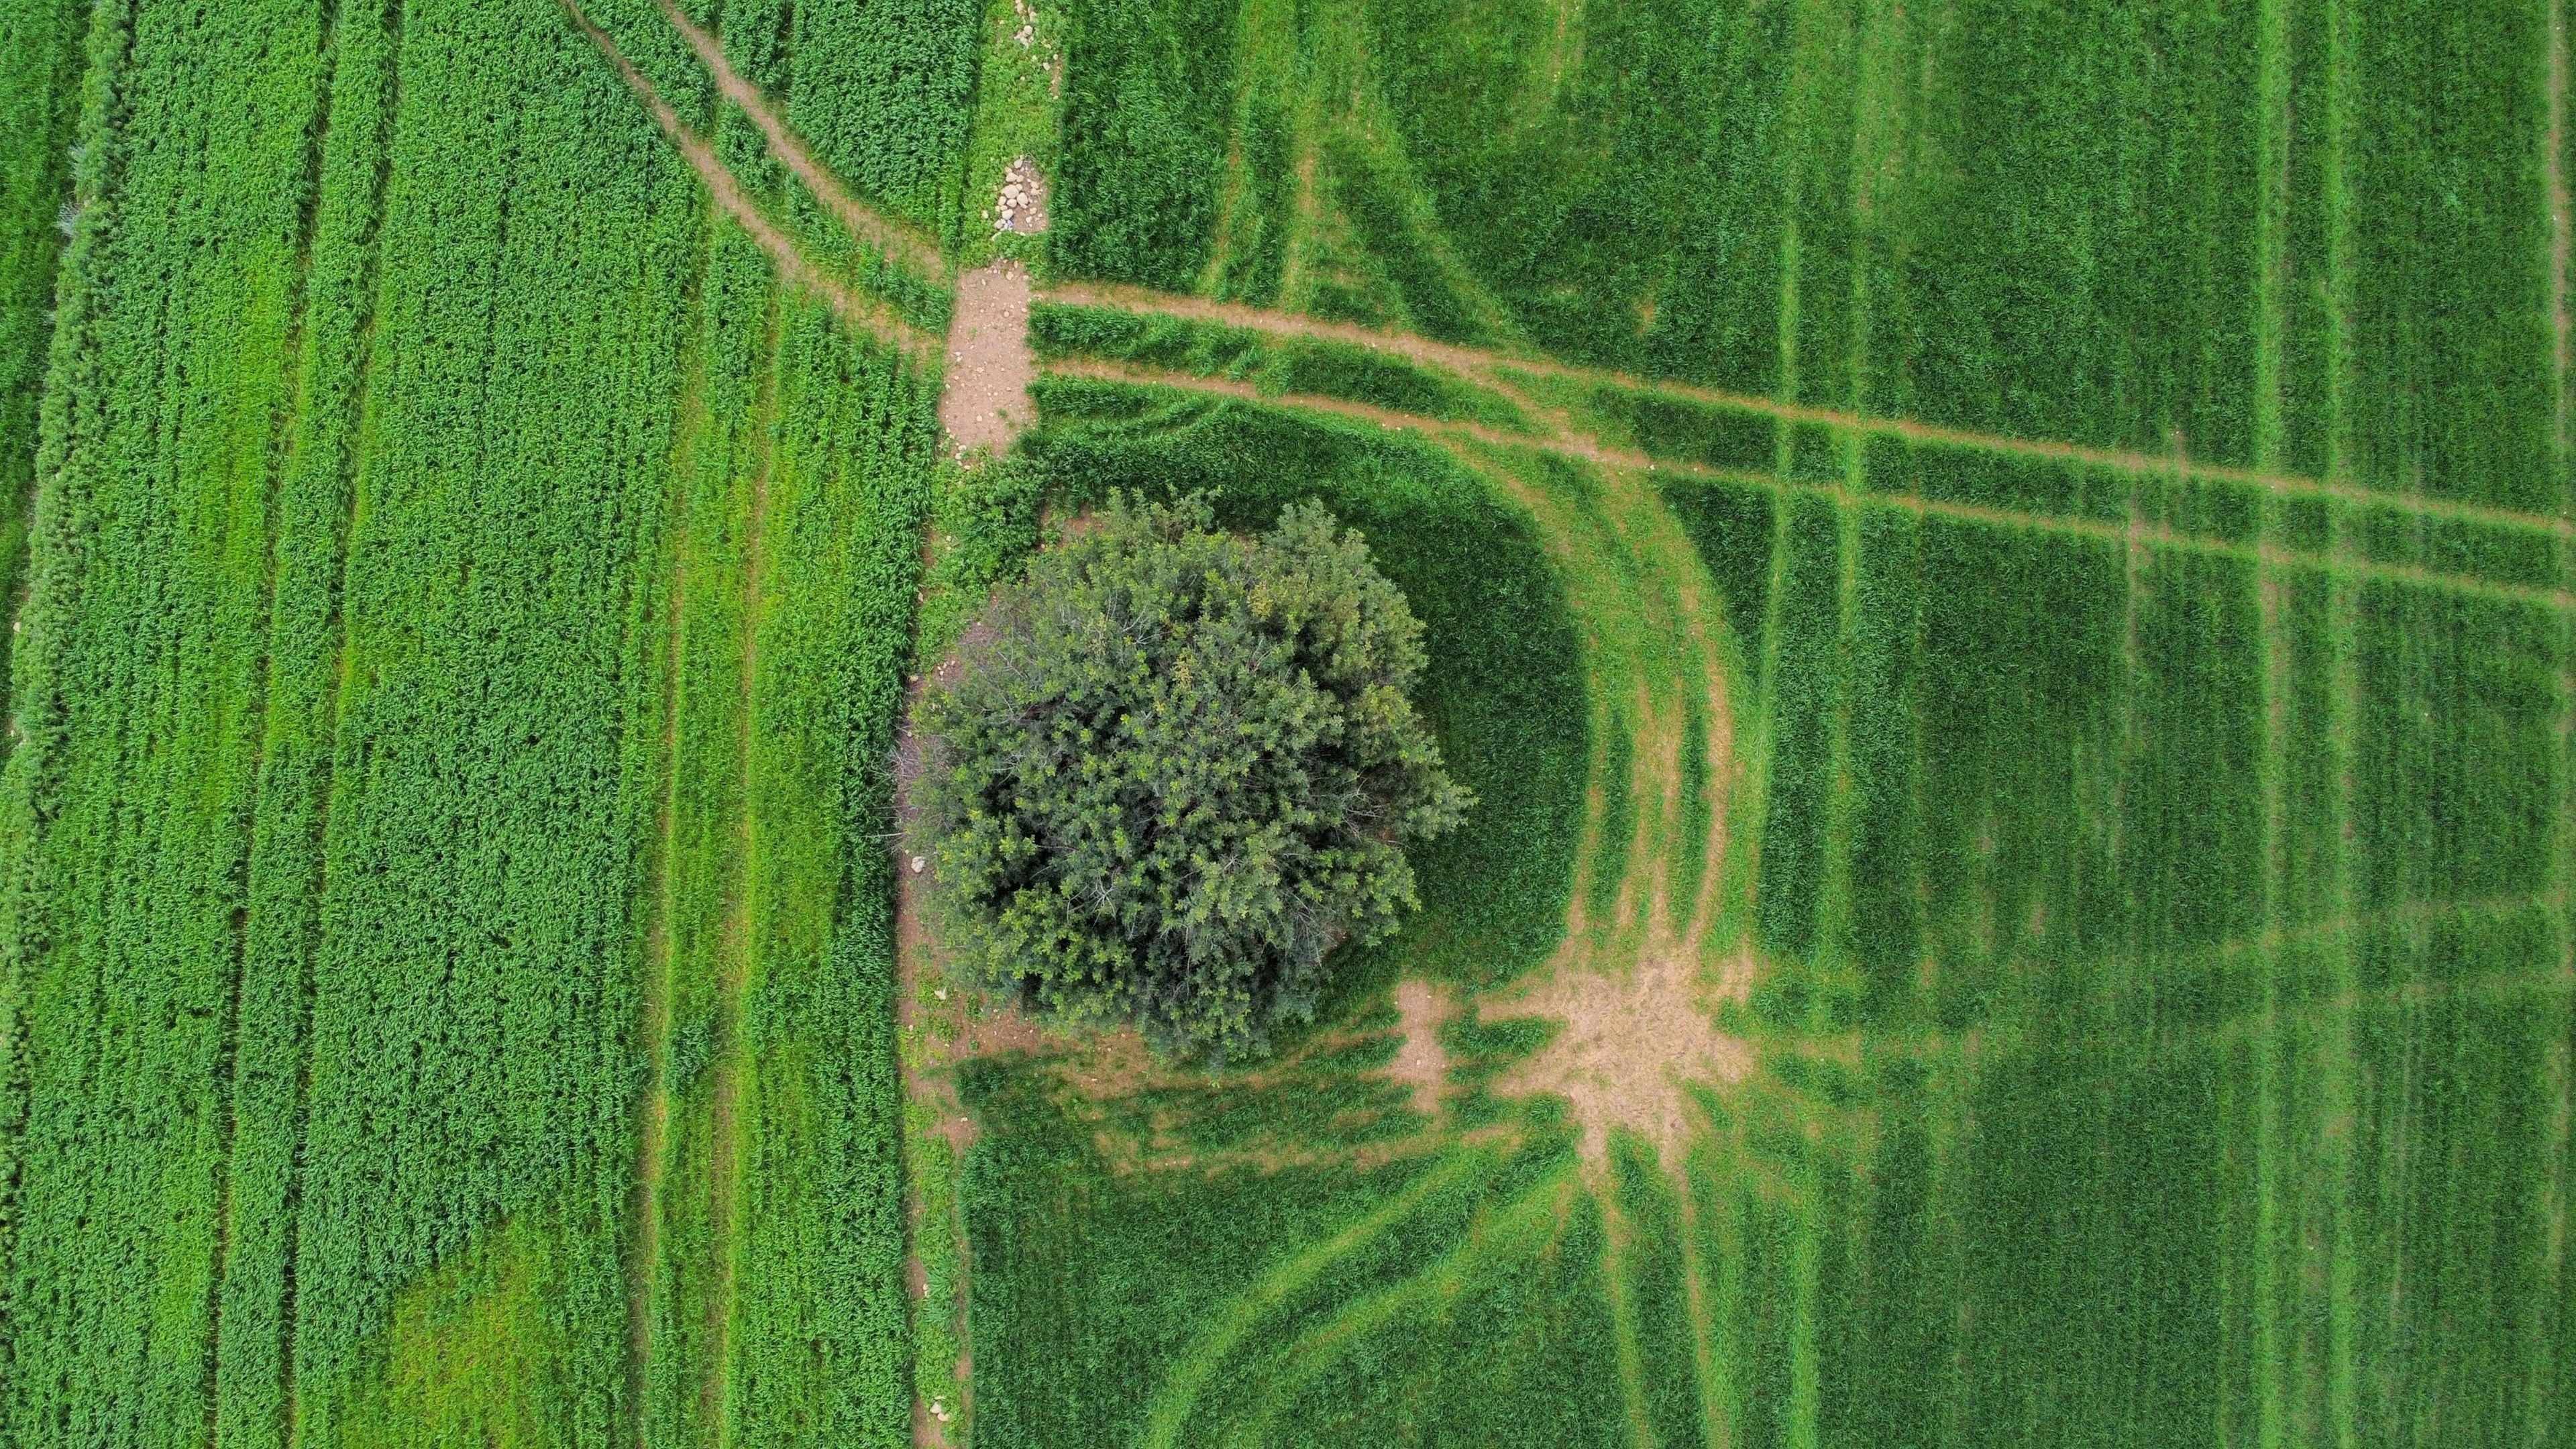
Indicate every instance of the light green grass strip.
{"type": "Point", "coordinates": [1181, 1389]}
{"type": "Point", "coordinates": [1806, 1365]}
{"type": "Point", "coordinates": [1708, 1360]}
{"type": "Point", "coordinates": [2153, 536]}
{"type": "Point", "coordinates": [1631, 1361]}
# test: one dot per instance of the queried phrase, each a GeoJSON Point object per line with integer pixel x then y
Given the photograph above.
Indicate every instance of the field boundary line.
{"type": "Point", "coordinates": [862, 221]}
{"type": "Point", "coordinates": [2154, 536]}
{"type": "Point", "coordinates": [866, 313]}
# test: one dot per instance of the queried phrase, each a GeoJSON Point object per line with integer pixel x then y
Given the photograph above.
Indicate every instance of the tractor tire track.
{"type": "Point", "coordinates": [1493, 367]}
{"type": "Point", "coordinates": [864, 313]}
{"type": "Point", "coordinates": [1636, 542]}
{"type": "Point", "coordinates": [2157, 536]}
{"type": "Point", "coordinates": [729, 1071]}
{"type": "Point", "coordinates": [900, 242]}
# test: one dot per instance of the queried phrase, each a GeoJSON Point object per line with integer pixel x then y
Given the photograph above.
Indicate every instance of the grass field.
{"type": "Point", "coordinates": [2005, 575]}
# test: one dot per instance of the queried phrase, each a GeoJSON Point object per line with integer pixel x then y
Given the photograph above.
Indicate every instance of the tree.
{"type": "Point", "coordinates": [1174, 769]}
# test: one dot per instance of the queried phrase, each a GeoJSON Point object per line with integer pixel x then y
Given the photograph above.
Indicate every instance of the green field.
{"type": "Point", "coordinates": [427, 987]}
{"type": "Point", "coordinates": [2004, 572]}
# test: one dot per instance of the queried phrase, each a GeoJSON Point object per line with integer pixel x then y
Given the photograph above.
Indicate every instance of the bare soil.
{"type": "Point", "coordinates": [984, 402]}
{"type": "Point", "coordinates": [1631, 1047]}
{"type": "Point", "coordinates": [1423, 1063]}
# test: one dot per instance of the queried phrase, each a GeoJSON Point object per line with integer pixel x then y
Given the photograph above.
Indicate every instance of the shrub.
{"type": "Point", "coordinates": [1175, 769]}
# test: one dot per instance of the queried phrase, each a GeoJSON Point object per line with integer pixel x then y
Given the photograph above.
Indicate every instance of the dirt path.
{"type": "Point", "coordinates": [984, 393]}
{"type": "Point", "coordinates": [983, 408]}
{"type": "Point", "coordinates": [928, 1041]}
{"type": "Point", "coordinates": [1422, 1063]}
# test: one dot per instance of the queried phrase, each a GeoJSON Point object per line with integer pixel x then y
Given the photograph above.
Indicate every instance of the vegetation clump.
{"type": "Point", "coordinates": [1175, 769]}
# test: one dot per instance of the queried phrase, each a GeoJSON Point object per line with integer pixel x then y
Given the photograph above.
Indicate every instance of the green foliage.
{"type": "Point", "coordinates": [1504, 689]}
{"type": "Point", "coordinates": [1148, 87]}
{"type": "Point", "coordinates": [1180, 772]}
{"type": "Point", "coordinates": [40, 55]}
{"type": "Point", "coordinates": [983, 526]}
{"type": "Point", "coordinates": [130, 798]}
{"type": "Point", "coordinates": [334, 846]}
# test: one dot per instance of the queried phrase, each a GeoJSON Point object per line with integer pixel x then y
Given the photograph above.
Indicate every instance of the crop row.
{"type": "Point", "coordinates": [41, 51]}
{"type": "Point", "coordinates": [382, 487]}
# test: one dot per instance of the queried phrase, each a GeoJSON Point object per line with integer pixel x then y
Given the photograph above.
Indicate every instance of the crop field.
{"type": "Point", "coordinates": [2004, 575]}
{"type": "Point", "coordinates": [448, 993]}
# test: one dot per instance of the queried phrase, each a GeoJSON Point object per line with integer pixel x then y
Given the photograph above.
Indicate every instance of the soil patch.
{"type": "Point", "coordinates": [1423, 1063]}
{"type": "Point", "coordinates": [984, 398]}
{"type": "Point", "coordinates": [1632, 1048]}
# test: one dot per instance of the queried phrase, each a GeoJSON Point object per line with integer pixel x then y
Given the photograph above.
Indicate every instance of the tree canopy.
{"type": "Point", "coordinates": [1174, 769]}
